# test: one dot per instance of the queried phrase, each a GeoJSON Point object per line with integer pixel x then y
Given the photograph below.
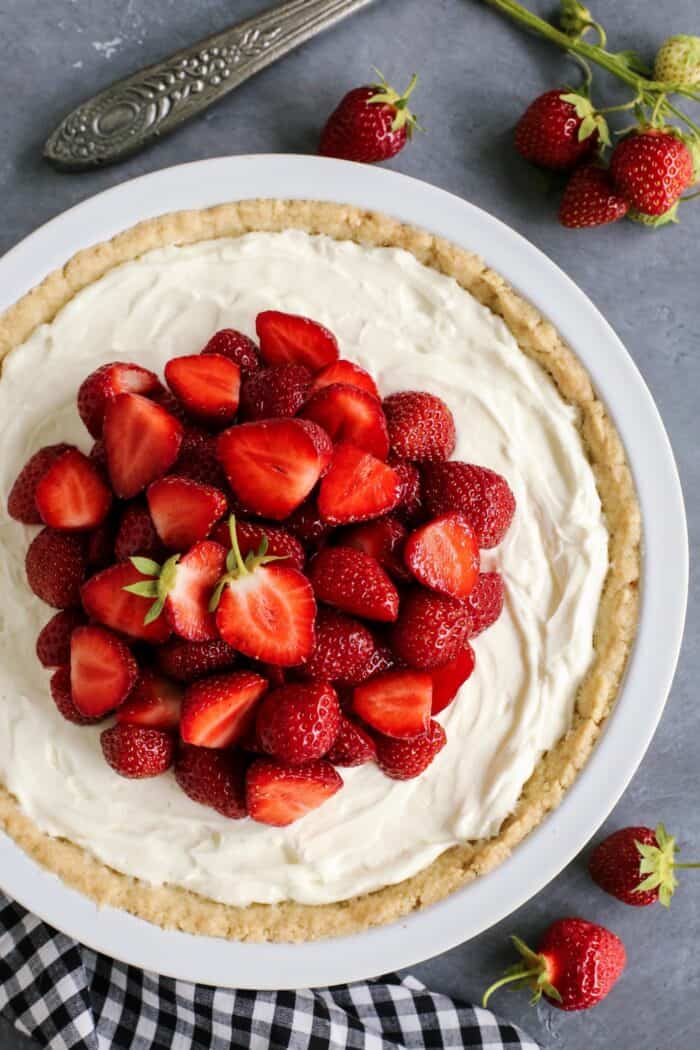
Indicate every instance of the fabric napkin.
{"type": "Point", "coordinates": [66, 995]}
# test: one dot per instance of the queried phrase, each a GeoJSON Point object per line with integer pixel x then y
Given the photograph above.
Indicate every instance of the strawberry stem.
{"type": "Point", "coordinates": [687, 864]}
{"type": "Point", "coordinates": [519, 974]}
{"type": "Point", "coordinates": [238, 563]}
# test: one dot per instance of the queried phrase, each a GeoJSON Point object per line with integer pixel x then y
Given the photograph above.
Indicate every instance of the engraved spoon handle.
{"type": "Point", "coordinates": [133, 112]}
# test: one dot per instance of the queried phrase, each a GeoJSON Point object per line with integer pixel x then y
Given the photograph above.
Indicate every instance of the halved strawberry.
{"type": "Point", "coordinates": [406, 759]}
{"type": "Point", "coordinates": [56, 566]}
{"type": "Point", "coordinates": [384, 540]}
{"type": "Point", "coordinates": [298, 723]}
{"type": "Point", "coordinates": [444, 555]}
{"type": "Point", "coordinates": [188, 661]}
{"type": "Point", "coordinates": [21, 503]}
{"type": "Point", "coordinates": [138, 751]}
{"type": "Point", "coordinates": [353, 745]}
{"type": "Point", "coordinates": [102, 670]}
{"type": "Point", "coordinates": [106, 600]}
{"type": "Point", "coordinates": [353, 582]}
{"type": "Point", "coordinates": [184, 511]}
{"type": "Point", "coordinates": [396, 703]}
{"type": "Point", "coordinates": [277, 794]}
{"type": "Point", "coordinates": [142, 441]}
{"type": "Point", "coordinates": [63, 698]}
{"type": "Point", "coordinates": [252, 533]}
{"type": "Point", "coordinates": [237, 347]}
{"type": "Point", "coordinates": [347, 413]}
{"type": "Point", "coordinates": [53, 643]}
{"type": "Point", "coordinates": [357, 487]}
{"type": "Point", "coordinates": [154, 701]}
{"type": "Point", "coordinates": [481, 495]}
{"type": "Point", "coordinates": [273, 392]}
{"type": "Point", "coordinates": [72, 495]}
{"type": "Point", "coordinates": [216, 711]}
{"type": "Point", "coordinates": [448, 680]}
{"type": "Point", "coordinates": [273, 465]}
{"type": "Point", "coordinates": [208, 385]}
{"type": "Point", "coordinates": [137, 534]}
{"type": "Point", "coordinates": [485, 603]}
{"type": "Point", "coordinates": [213, 778]}
{"type": "Point", "coordinates": [342, 371]}
{"type": "Point", "coordinates": [105, 384]}
{"type": "Point", "coordinates": [290, 337]}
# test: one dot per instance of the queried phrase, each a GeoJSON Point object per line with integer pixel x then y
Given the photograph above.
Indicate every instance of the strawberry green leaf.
{"type": "Point", "coordinates": [146, 566]}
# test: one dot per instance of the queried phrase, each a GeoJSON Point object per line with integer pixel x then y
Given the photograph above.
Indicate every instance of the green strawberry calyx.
{"type": "Point", "coordinates": [159, 586]}
{"type": "Point", "coordinates": [658, 863]}
{"type": "Point", "coordinates": [591, 120]}
{"type": "Point", "coordinates": [533, 971]}
{"type": "Point", "coordinates": [237, 567]}
{"type": "Point", "coordinates": [386, 95]}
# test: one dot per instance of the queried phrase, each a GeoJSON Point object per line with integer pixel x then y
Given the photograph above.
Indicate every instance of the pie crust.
{"type": "Point", "coordinates": [175, 908]}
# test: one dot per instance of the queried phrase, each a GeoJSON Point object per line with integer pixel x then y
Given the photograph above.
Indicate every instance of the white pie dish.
{"type": "Point", "coordinates": [665, 579]}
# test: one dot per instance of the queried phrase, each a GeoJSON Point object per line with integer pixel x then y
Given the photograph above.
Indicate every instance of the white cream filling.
{"type": "Point", "coordinates": [413, 329]}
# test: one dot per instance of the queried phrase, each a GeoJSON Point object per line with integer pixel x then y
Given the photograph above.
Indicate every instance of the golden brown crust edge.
{"type": "Point", "coordinates": [175, 908]}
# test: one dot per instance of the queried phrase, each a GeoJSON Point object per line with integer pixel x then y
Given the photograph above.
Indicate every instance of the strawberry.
{"type": "Point", "coordinates": [485, 603]}
{"type": "Point", "coordinates": [98, 456]}
{"type": "Point", "coordinates": [273, 465]}
{"type": "Point", "coordinates": [252, 533]}
{"type": "Point", "coordinates": [292, 339]}
{"type": "Point", "coordinates": [430, 631]}
{"type": "Point", "coordinates": [549, 131]}
{"type": "Point", "coordinates": [421, 427]}
{"type": "Point", "coordinates": [154, 701]}
{"type": "Point", "coordinates": [198, 460]}
{"type": "Point", "coordinates": [213, 778]}
{"type": "Point", "coordinates": [273, 392]}
{"type": "Point", "coordinates": [170, 403]}
{"type": "Point", "coordinates": [142, 441]}
{"type": "Point", "coordinates": [105, 384]}
{"type": "Point", "coordinates": [137, 534]}
{"type": "Point", "coordinates": [346, 372]}
{"type": "Point", "coordinates": [298, 723]}
{"type": "Point", "coordinates": [444, 555]}
{"type": "Point", "coordinates": [277, 794]}
{"type": "Point", "coordinates": [184, 511]}
{"type": "Point", "coordinates": [106, 600]}
{"type": "Point", "coordinates": [347, 413]}
{"type": "Point", "coordinates": [102, 670]}
{"type": "Point", "coordinates": [53, 643]}
{"type": "Point", "coordinates": [100, 549]}
{"type": "Point", "coordinates": [678, 61]}
{"type": "Point", "coordinates": [396, 703]}
{"type": "Point", "coordinates": [216, 711]}
{"type": "Point", "coordinates": [575, 967]}
{"type": "Point", "coordinates": [481, 495]}
{"type": "Point", "coordinates": [342, 651]}
{"type": "Point", "coordinates": [369, 124]}
{"type": "Point", "coordinates": [137, 751]}
{"type": "Point", "coordinates": [651, 168]}
{"type": "Point", "coordinates": [357, 487]}
{"type": "Point", "coordinates": [208, 385]}
{"type": "Point", "coordinates": [265, 611]}
{"type": "Point", "coordinates": [21, 503]}
{"type": "Point", "coordinates": [590, 199]}
{"type": "Point", "coordinates": [448, 680]}
{"type": "Point", "coordinates": [382, 659]}
{"type": "Point", "coordinates": [188, 661]}
{"type": "Point", "coordinates": [637, 865]}
{"type": "Point", "coordinates": [71, 495]}
{"type": "Point", "coordinates": [353, 746]}
{"type": "Point", "coordinates": [353, 582]}
{"type": "Point", "coordinates": [383, 539]}
{"type": "Point", "coordinates": [406, 759]}
{"type": "Point", "coordinates": [306, 525]}
{"type": "Point", "coordinates": [56, 566]}
{"type": "Point", "coordinates": [410, 508]}
{"type": "Point", "coordinates": [63, 698]}
{"type": "Point", "coordinates": [236, 347]}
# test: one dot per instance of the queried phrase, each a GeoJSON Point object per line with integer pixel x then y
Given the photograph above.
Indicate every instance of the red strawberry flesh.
{"type": "Point", "coordinates": [154, 701]}
{"type": "Point", "coordinates": [72, 495]}
{"type": "Point", "coordinates": [286, 338]}
{"type": "Point", "coordinates": [448, 680]}
{"type": "Point", "coordinates": [102, 670]}
{"type": "Point", "coordinates": [53, 643]}
{"type": "Point", "coordinates": [105, 600]}
{"type": "Point", "coordinates": [21, 502]}
{"type": "Point", "coordinates": [184, 511]}
{"type": "Point", "coordinates": [237, 347]}
{"type": "Point", "coordinates": [342, 371]}
{"type": "Point", "coordinates": [396, 703]}
{"type": "Point", "coordinates": [208, 385]}
{"type": "Point", "coordinates": [406, 759]}
{"type": "Point", "coordinates": [105, 384]}
{"type": "Point", "coordinates": [357, 487]}
{"type": "Point", "coordinates": [142, 441]}
{"type": "Point", "coordinates": [213, 778]}
{"type": "Point", "coordinates": [348, 413]}
{"type": "Point", "coordinates": [216, 711]}
{"type": "Point", "coordinates": [444, 555]}
{"type": "Point", "coordinates": [279, 795]}
{"type": "Point", "coordinates": [354, 582]}
{"type": "Point", "coordinates": [298, 723]}
{"type": "Point", "coordinates": [421, 427]}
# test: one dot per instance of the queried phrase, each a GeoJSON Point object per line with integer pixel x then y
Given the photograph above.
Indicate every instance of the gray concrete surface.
{"type": "Point", "coordinates": [477, 73]}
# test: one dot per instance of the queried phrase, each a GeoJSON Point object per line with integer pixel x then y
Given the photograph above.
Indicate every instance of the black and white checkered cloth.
{"type": "Point", "coordinates": [65, 995]}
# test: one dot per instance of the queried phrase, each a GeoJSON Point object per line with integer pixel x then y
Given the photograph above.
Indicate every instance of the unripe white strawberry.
{"type": "Point", "coordinates": [678, 61]}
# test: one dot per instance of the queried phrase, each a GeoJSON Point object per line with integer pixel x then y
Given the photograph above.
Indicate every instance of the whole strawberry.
{"type": "Point", "coordinates": [637, 865]}
{"type": "Point", "coordinates": [591, 199]}
{"type": "Point", "coordinates": [651, 168]}
{"type": "Point", "coordinates": [678, 61]}
{"type": "Point", "coordinates": [575, 967]}
{"type": "Point", "coordinates": [370, 124]}
{"type": "Point", "coordinates": [557, 130]}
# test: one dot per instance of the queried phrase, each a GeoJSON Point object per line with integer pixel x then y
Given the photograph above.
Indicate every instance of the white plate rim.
{"type": "Point", "coordinates": [629, 730]}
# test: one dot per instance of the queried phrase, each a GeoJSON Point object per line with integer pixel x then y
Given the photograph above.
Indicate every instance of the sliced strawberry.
{"type": "Point", "coordinates": [448, 680]}
{"type": "Point", "coordinates": [444, 555]}
{"type": "Point", "coordinates": [56, 567]}
{"type": "Point", "coordinates": [106, 600]}
{"type": "Point", "coordinates": [154, 701]}
{"type": "Point", "coordinates": [481, 495]}
{"type": "Point", "coordinates": [188, 661]}
{"type": "Point", "coordinates": [184, 511]}
{"type": "Point", "coordinates": [198, 460]}
{"type": "Point", "coordinates": [72, 495]}
{"type": "Point", "coordinates": [410, 508]}
{"type": "Point", "coordinates": [189, 591]}
{"type": "Point", "coordinates": [421, 427]}
{"type": "Point", "coordinates": [237, 347]}
{"type": "Point", "coordinates": [353, 745]}
{"type": "Point", "coordinates": [273, 392]}
{"type": "Point", "coordinates": [357, 487]}
{"type": "Point", "coordinates": [290, 338]}
{"type": "Point", "coordinates": [137, 534]}
{"type": "Point", "coordinates": [208, 385]}
{"type": "Point", "coordinates": [384, 540]}
{"type": "Point", "coordinates": [345, 372]}
{"type": "Point", "coordinates": [298, 723]}
{"type": "Point", "coordinates": [142, 442]}
{"type": "Point", "coordinates": [485, 603]}
{"type": "Point", "coordinates": [406, 759]}
{"type": "Point", "coordinates": [21, 503]}
{"type": "Point", "coordinates": [273, 465]}
{"type": "Point", "coordinates": [138, 751]}
{"type": "Point", "coordinates": [347, 413]}
{"type": "Point", "coordinates": [431, 629]}
{"type": "Point", "coordinates": [305, 523]}
{"type": "Point", "coordinates": [102, 670]}
{"type": "Point", "coordinates": [53, 643]}
{"type": "Point", "coordinates": [252, 533]}
{"type": "Point", "coordinates": [63, 698]}
{"type": "Point", "coordinates": [342, 651]}
{"type": "Point", "coordinates": [396, 703]}
{"type": "Point", "coordinates": [277, 794]}
{"type": "Point", "coordinates": [354, 582]}
{"type": "Point", "coordinates": [105, 384]}
{"type": "Point", "coordinates": [213, 778]}
{"type": "Point", "coordinates": [216, 711]}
